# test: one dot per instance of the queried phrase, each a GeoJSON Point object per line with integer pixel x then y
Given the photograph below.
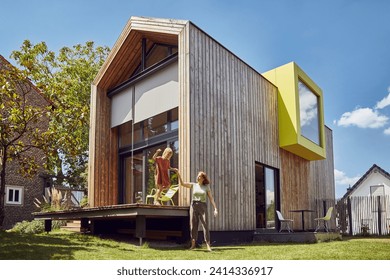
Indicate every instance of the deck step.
{"type": "Point", "coordinates": [72, 226]}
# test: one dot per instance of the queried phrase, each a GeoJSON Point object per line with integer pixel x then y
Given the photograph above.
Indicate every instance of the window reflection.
{"type": "Point", "coordinates": [133, 176]}
{"type": "Point", "coordinates": [270, 196]}
{"type": "Point", "coordinates": [154, 126]}
{"type": "Point", "coordinates": [308, 107]}
{"type": "Point", "coordinates": [158, 53]}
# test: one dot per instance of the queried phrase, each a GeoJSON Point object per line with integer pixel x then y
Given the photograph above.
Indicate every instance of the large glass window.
{"type": "Point", "coordinates": [154, 126]}
{"type": "Point", "coordinates": [138, 143]}
{"type": "Point", "coordinates": [139, 171]}
{"type": "Point", "coordinates": [154, 55]}
{"type": "Point", "coordinates": [308, 108]}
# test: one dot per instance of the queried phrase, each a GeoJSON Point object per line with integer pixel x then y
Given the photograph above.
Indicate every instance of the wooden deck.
{"type": "Point", "coordinates": [139, 220]}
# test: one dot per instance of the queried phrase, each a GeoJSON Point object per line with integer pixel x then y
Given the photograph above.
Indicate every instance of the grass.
{"type": "Point", "coordinates": [64, 245]}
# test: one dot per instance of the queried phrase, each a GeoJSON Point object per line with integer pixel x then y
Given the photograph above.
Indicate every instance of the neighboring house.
{"type": "Point", "coordinates": [21, 191]}
{"type": "Point", "coordinates": [368, 203]}
{"type": "Point", "coordinates": [260, 137]}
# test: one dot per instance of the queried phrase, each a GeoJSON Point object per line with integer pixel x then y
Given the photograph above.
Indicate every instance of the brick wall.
{"type": "Point", "coordinates": [32, 186]}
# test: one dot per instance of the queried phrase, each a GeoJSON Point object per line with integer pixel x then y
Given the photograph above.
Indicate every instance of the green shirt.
{"type": "Point", "coordinates": [199, 192]}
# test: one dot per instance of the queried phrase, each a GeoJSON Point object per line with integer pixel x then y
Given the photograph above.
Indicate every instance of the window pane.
{"type": "Point", "coordinates": [10, 195]}
{"type": "Point", "coordinates": [16, 196]}
{"type": "Point", "coordinates": [156, 125]}
{"type": "Point", "coordinates": [308, 107]}
{"type": "Point", "coordinates": [270, 196]}
{"type": "Point", "coordinates": [174, 119]}
{"type": "Point", "coordinates": [159, 53]}
{"type": "Point", "coordinates": [137, 132]}
{"type": "Point", "coordinates": [125, 134]}
{"type": "Point", "coordinates": [133, 177]}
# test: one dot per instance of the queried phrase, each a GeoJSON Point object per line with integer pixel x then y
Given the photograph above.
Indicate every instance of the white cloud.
{"type": "Point", "coordinates": [363, 118]}
{"type": "Point", "coordinates": [342, 179]}
{"type": "Point", "coordinates": [384, 102]}
{"type": "Point", "coordinates": [387, 131]}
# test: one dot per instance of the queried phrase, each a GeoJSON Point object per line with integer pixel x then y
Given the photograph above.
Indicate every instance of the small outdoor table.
{"type": "Point", "coordinates": [302, 211]}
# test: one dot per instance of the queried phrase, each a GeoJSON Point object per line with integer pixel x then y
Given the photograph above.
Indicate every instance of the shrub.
{"type": "Point", "coordinates": [35, 226]}
{"type": "Point", "coordinates": [29, 227]}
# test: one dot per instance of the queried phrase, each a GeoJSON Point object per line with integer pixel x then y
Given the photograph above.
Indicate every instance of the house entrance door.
{"type": "Point", "coordinates": [266, 195]}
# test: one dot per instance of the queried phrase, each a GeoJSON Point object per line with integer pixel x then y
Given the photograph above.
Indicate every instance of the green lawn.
{"type": "Point", "coordinates": [63, 245]}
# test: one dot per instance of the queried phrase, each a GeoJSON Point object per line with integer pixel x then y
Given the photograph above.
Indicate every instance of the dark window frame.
{"type": "Point", "coordinates": [144, 74]}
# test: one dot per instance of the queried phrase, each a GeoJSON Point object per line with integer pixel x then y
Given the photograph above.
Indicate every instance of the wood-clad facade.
{"type": "Point", "coordinates": [233, 124]}
{"type": "Point", "coordinates": [227, 127]}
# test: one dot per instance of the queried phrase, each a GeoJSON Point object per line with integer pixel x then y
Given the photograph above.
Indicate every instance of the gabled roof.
{"type": "Point", "coordinates": [374, 168]}
{"type": "Point", "coordinates": [121, 62]}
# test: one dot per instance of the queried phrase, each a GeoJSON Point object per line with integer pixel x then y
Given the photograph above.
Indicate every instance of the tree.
{"type": "Point", "coordinates": [65, 79]}
{"type": "Point", "coordinates": [22, 127]}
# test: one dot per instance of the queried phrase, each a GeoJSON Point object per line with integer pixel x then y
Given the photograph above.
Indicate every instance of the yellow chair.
{"type": "Point", "coordinates": [169, 194]}
{"type": "Point", "coordinates": [151, 195]}
{"type": "Point", "coordinates": [284, 223]}
{"type": "Point", "coordinates": [325, 219]}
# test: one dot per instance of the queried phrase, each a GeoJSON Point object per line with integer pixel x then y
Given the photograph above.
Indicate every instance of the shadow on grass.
{"type": "Point", "coordinates": [16, 246]}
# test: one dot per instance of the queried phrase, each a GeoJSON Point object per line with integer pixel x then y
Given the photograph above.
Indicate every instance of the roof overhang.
{"type": "Point", "coordinates": [121, 62]}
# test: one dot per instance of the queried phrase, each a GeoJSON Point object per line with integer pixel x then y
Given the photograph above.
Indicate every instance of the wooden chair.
{"type": "Point", "coordinates": [284, 222]}
{"type": "Point", "coordinates": [169, 194]}
{"type": "Point", "coordinates": [325, 219]}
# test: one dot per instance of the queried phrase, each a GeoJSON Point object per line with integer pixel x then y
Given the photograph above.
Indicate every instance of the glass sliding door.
{"type": "Point", "coordinates": [270, 186]}
{"type": "Point", "coordinates": [139, 170]}
{"type": "Point", "coordinates": [267, 182]}
{"type": "Point", "coordinates": [133, 177]}
{"type": "Point", "coordinates": [137, 144]}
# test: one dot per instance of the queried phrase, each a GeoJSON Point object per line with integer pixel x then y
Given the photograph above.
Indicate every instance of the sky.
{"type": "Point", "coordinates": [343, 45]}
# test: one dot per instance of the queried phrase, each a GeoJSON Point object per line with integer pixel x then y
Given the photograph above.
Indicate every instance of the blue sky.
{"type": "Point", "coordinates": [344, 46]}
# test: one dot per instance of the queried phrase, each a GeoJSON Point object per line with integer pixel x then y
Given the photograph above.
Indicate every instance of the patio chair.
{"type": "Point", "coordinates": [325, 219]}
{"type": "Point", "coordinates": [284, 223]}
{"type": "Point", "coordinates": [168, 194]}
{"type": "Point", "coordinates": [151, 195]}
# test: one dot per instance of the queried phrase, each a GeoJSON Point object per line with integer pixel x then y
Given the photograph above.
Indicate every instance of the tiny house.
{"type": "Point", "coordinates": [261, 138]}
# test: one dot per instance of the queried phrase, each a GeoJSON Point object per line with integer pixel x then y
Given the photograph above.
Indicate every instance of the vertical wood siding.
{"type": "Point", "coordinates": [233, 124]}
{"type": "Point", "coordinates": [103, 163]}
{"type": "Point", "coordinates": [304, 182]}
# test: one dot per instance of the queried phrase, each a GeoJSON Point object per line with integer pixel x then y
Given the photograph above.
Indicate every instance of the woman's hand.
{"type": "Point", "coordinates": [215, 212]}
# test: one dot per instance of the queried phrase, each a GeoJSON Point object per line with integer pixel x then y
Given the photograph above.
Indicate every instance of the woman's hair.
{"type": "Point", "coordinates": [206, 180]}
{"type": "Point", "coordinates": [166, 151]}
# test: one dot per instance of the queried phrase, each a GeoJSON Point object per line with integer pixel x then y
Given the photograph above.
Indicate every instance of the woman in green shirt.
{"type": "Point", "coordinates": [198, 210]}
